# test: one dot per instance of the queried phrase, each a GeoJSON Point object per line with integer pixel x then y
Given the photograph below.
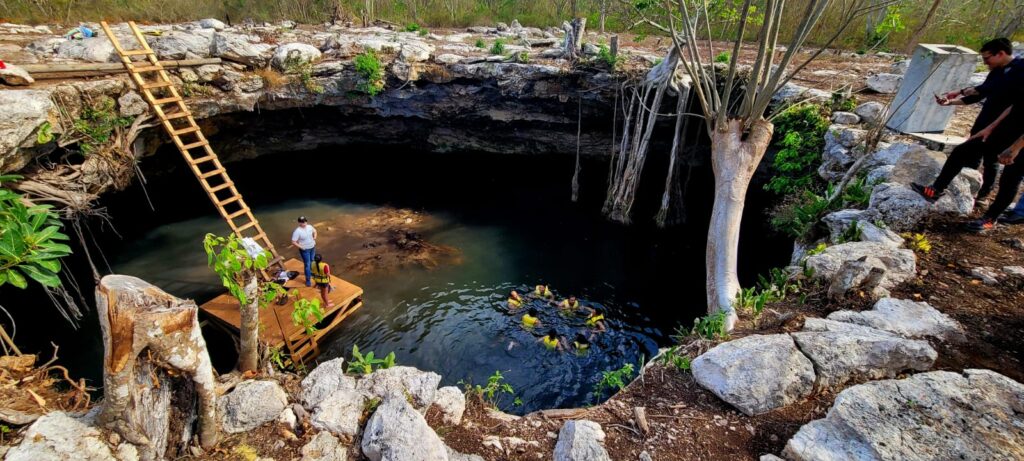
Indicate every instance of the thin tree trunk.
{"type": "Point", "coordinates": [604, 13]}
{"type": "Point", "coordinates": [673, 171]}
{"type": "Point", "coordinates": [916, 36]}
{"type": "Point", "coordinates": [249, 330]}
{"type": "Point", "coordinates": [734, 160]}
{"type": "Point", "coordinates": [151, 339]}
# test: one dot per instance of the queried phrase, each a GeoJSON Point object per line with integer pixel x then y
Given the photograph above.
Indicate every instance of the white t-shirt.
{"type": "Point", "coordinates": [304, 237]}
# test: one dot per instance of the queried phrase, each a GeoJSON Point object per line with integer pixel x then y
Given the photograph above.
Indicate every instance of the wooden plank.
{"type": "Point", "coordinates": [221, 187]}
{"type": "Point", "coordinates": [238, 213]}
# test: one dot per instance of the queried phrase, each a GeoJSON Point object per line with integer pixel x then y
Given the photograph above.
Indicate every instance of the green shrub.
{"type": "Point", "coordinates": [673, 358]}
{"type": "Point", "coordinates": [96, 125]}
{"type": "Point", "coordinates": [614, 379]}
{"type": "Point", "coordinates": [842, 101]}
{"type": "Point", "coordinates": [498, 47]}
{"type": "Point", "coordinates": [480, 43]}
{"type": "Point", "coordinates": [363, 364]}
{"type": "Point", "coordinates": [800, 137]}
{"type": "Point", "coordinates": [368, 67]}
{"type": "Point", "coordinates": [413, 27]}
{"type": "Point", "coordinates": [30, 241]}
{"type": "Point", "coordinates": [723, 57]}
{"type": "Point", "coordinates": [493, 391]}
{"type": "Point", "coordinates": [604, 54]}
{"type": "Point", "coordinates": [294, 64]}
{"type": "Point", "coordinates": [852, 233]}
{"type": "Point", "coordinates": [711, 326]}
{"type": "Point", "coordinates": [306, 313]}
{"type": "Point", "coordinates": [801, 216]}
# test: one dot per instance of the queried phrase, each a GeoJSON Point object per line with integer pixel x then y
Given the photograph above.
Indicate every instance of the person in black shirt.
{"type": "Point", "coordinates": [1009, 125]}
{"type": "Point", "coordinates": [1006, 74]}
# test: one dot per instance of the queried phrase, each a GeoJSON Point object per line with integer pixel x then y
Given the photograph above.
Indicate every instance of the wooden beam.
{"type": "Point", "coordinates": [101, 68]}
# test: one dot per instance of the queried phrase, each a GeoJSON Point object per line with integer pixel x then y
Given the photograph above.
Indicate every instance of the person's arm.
{"type": "Point", "coordinates": [600, 328]}
{"type": "Point", "coordinates": [984, 133]}
{"type": "Point", "coordinates": [1010, 154]}
{"type": "Point", "coordinates": [295, 238]}
{"type": "Point", "coordinates": [314, 231]}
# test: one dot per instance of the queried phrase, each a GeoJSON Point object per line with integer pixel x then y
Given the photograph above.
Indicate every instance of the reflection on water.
{"type": "Point", "coordinates": [452, 319]}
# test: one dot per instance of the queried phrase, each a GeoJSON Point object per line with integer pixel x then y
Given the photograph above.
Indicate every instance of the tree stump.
{"type": "Point", "coordinates": [573, 37]}
{"type": "Point", "coordinates": [151, 342]}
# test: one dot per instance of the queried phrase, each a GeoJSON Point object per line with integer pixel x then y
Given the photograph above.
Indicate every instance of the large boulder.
{"type": "Point", "coordinates": [242, 49]}
{"type": "Point", "coordinates": [900, 264]}
{"type": "Point", "coordinates": [251, 404]}
{"type": "Point", "coordinates": [452, 403]}
{"type": "Point", "coordinates": [906, 318]}
{"type": "Point", "coordinates": [884, 83]}
{"type": "Point", "coordinates": [324, 447]}
{"type": "Point", "coordinates": [791, 92]}
{"type": "Point", "coordinates": [421, 385]}
{"type": "Point", "coordinates": [131, 104]}
{"type": "Point", "coordinates": [340, 412]}
{"type": "Point", "coordinates": [756, 373]}
{"type": "Point", "coordinates": [891, 154]}
{"type": "Point", "coordinates": [210, 23]}
{"type": "Point", "coordinates": [324, 380]}
{"type": "Point", "coordinates": [845, 118]}
{"type": "Point", "coordinates": [24, 112]}
{"type": "Point", "coordinates": [180, 44]}
{"type": "Point", "coordinates": [94, 49]}
{"type": "Point", "coordinates": [842, 352]}
{"type": "Point", "coordinates": [297, 52]}
{"type": "Point", "coordinates": [976, 415]}
{"type": "Point", "coordinates": [57, 436]}
{"type": "Point", "coordinates": [901, 207]}
{"type": "Point", "coordinates": [870, 112]}
{"type": "Point", "coordinates": [397, 432]}
{"type": "Point", "coordinates": [580, 441]}
{"type": "Point", "coordinates": [415, 51]}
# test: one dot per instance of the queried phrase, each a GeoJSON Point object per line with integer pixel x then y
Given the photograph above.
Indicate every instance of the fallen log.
{"type": "Point", "coordinates": [92, 69]}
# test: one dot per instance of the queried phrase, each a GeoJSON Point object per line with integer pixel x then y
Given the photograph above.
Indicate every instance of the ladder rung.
{"type": "Point", "coordinates": [136, 52]}
{"type": "Point", "coordinates": [221, 187]}
{"type": "Point", "coordinates": [147, 69]}
{"type": "Point", "coordinates": [277, 259]}
{"type": "Point", "coordinates": [175, 115]}
{"type": "Point", "coordinates": [194, 145]}
{"type": "Point", "coordinates": [259, 236]}
{"type": "Point", "coordinates": [233, 198]}
{"type": "Point", "coordinates": [247, 226]}
{"type": "Point", "coordinates": [238, 213]}
{"type": "Point", "coordinates": [203, 159]}
{"type": "Point", "coordinates": [191, 129]}
{"type": "Point", "coordinates": [169, 100]}
{"type": "Point", "coordinates": [211, 173]}
{"type": "Point", "coordinates": [150, 86]}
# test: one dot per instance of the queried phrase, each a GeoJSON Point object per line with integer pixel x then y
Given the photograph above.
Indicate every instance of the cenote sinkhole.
{"type": "Point", "coordinates": [505, 222]}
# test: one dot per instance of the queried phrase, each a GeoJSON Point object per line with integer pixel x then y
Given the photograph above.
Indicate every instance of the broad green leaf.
{"type": "Point", "coordinates": [16, 279]}
{"type": "Point", "coordinates": [50, 265]}
{"type": "Point", "coordinates": [46, 278]}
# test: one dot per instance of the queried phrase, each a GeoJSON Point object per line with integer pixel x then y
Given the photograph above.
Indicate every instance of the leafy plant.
{"type": "Point", "coordinates": [818, 249]}
{"type": "Point", "coordinates": [613, 379]}
{"type": "Point", "coordinates": [279, 358]}
{"type": "Point", "coordinates": [857, 193]}
{"type": "Point", "coordinates": [723, 57]}
{"type": "Point", "coordinates": [842, 101]}
{"type": "Point", "coordinates": [29, 241]}
{"type": "Point", "coordinates": [711, 326]}
{"type": "Point", "coordinates": [604, 54]}
{"type": "Point", "coordinates": [480, 43]}
{"type": "Point", "coordinates": [413, 27]}
{"type": "Point", "coordinates": [363, 364]}
{"type": "Point", "coordinates": [306, 314]}
{"type": "Point", "coordinates": [493, 391]}
{"type": "Point", "coordinates": [295, 64]}
{"type": "Point", "coordinates": [4, 430]}
{"type": "Point", "coordinates": [96, 125]}
{"type": "Point", "coordinates": [893, 22]}
{"type": "Point", "coordinates": [801, 217]}
{"type": "Point", "coordinates": [852, 233]}
{"type": "Point", "coordinates": [424, 32]}
{"type": "Point", "coordinates": [673, 358]}
{"type": "Point", "coordinates": [369, 68]}
{"type": "Point", "coordinates": [498, 47]}
{"type": "Point", "coordinates": [523, 57]}
{"type": "Point", "coordinates": [230, 260]}
{"type": "Point", "coordinates": [45, 133]}
{"type": "Point", "coordinates": [918, 242]}
{"type": "Point", "coordinates": [799, 136]}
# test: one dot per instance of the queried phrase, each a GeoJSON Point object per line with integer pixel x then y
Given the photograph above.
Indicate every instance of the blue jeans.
{"type": "Point", "coordinates": [307, 261]}
{"type": "Point", "coordinates": [1018, 211]}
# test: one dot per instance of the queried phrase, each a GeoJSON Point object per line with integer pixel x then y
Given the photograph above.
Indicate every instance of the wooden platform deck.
{"type": "Point", "coordinates": [278, 329]}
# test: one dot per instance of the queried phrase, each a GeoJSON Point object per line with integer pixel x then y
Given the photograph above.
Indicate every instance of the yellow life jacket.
{"type": "Point", "coordinates": [580, 346]}
{"type": "Point", "coordinates": [592, 320]}
{"type": "Point", "coordinates": [546, 293]}
{"type": "Point", "coordinates": [514, 302]}
{"type": "Point", "coordinates": [565, 304]}
{"type": "Point", "coordinates": [550, 343]}
{"type": "Point", "coordinates": [529, 321]}
{"type": "Point", "coordinates": [320, 273]}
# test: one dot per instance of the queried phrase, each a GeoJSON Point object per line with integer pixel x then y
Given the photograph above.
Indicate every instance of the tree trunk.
{"type": "Point", "coordinates": [916, 36]}
{"type": "Point", "coordinates": [604, 13]}
{"type": "Point", "coordinates": [573, 37]}
{"type": "Point", "coordinates": [249, 330]}
{"type": "Point", "coordinates": [151, 339]}
{"type": "Point", "coordinates": [734, 160]}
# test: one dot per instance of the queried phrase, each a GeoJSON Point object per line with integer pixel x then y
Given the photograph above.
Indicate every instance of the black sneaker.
{"type": "Point", "coordinates": [1011, 218]}
{"type": "Point", "coordinates": [928, 192]}
{"type": "Point", "coordinates": [982, 225]}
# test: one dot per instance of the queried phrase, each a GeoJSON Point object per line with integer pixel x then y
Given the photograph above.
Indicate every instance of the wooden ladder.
{"type": "Point", "coordinates": [174, 115]}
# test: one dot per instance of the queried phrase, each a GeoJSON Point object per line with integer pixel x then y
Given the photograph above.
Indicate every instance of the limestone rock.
{"type": "Point", "coordinates": [448, 58]}
{"type": "Point", "coordinates": [340, 412]}
{"type": "Point", "coordinates": [298, 51]}
{"type": "Point", "coordinates": [892, 154]}
{"type": "Point", "coordinates": [251, 404]}
{"type": "Point", "coordinates": [324, 447]}
{"type": "Point", "coordinates": [1014, 271]}
{"type": "Point", "coordinates": [452, 403]}
{"type": "Point", "coordinates": [929, 416]}
{"type": "Point", "coordinates": [46, 46]}
{"type": "Point", "coordinates": [987, 275]}
{"type": "Point", "coordinates": [906, 318]}
{"type": "Point", "coordinates": [884, 83]}
{"type": "Point", "coordinates": [94, 49]}
{"type": "Point", "coordinates": [210, 23]}
{"type": "Point", "coordinates": [839, 221]}
{"type": "Point", "coordinates": [397, 432]}
{"type": "Point", "coordinates": [843, 353]}
{"type": "Point", "coordinates": [880, 174]}
{"type": "Point", "coordinates": [456, 456]}
{"type": "Point", "coordinates": [131, 104]}
{"type": "Point", "coordinates": [845, 118]}
{"type": "Point", "coordinates": [756, 373]}
{"type": "Point", "coordinates": [865, 274]}
{"type": "Point", "coordinates": [57, 436]}
{"type": "Point", "coordinates": [208, 73]}
{"type": "Point", "coordinates": [241, 49]}
{"type": "Point", "coordinates": [326, 378]}
{"type": "Point", "coordinates": [900, 67]}
{"type": "Point", "coordinates": [791, 92]}
{"type": "Point", "coordinates": [421, 385]}
{"type": "Point", "coordinates": [870, 112]}
{"type": "Point", "coordinates": [178, 44]}
{"type": "Point", "coordinates": [288, 419]}
{"type": "Point", "coordinates": [900, 264]}
{"type": "Point", "coordinates": [24, 112]}
{"type": "Point", "coordinates": [580, 441]}
{"type": "Point", "coordinates": [15, 76]}
{"type": "Point", "coordinates": [414, 51]}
